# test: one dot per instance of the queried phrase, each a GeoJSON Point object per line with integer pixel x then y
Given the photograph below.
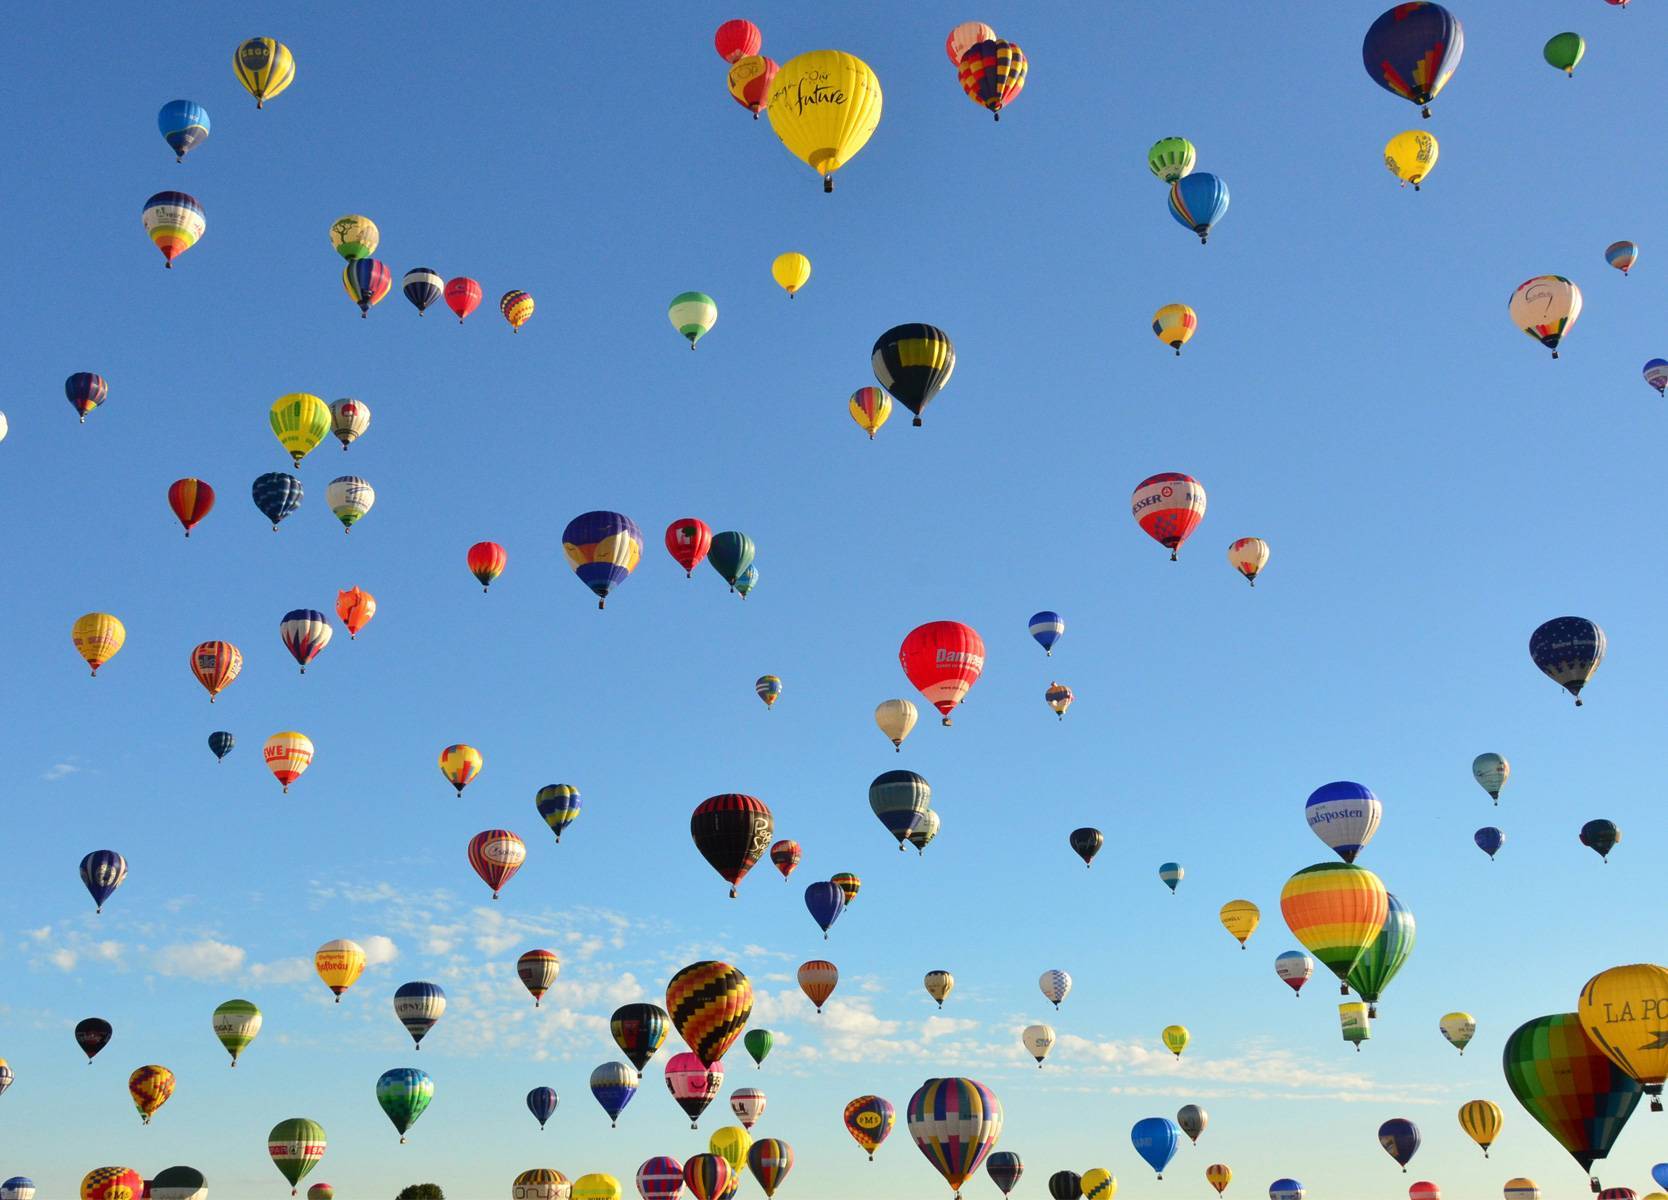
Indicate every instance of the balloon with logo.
{"type": "Point", "coordinates": [102, 872]}
{"type": "Point", "coordinates": [110, 1183]}
{"type": "Point", "coordinates": [687, 540]}
{"type": "Point", "coordinates": [869, 1120]}
{"type": "Point", "coordinates": [216, 665]}
{"type": "Point", "coordinates": [236, 1023]}
{"type": "Point", "coordinates": [1171, 158]}
{"type": "Point", "coordinates": [871, 408]}
{"type": "Point", "coordinates": [1621, 1011]}
{"type": "Point", "coordinates": [955, 1123]}
{"type": "Point", "coordinates": [463, 296]}
{"type": "Point", "coordinates": [693, 1084]}
{"type": "Point", "coordinates": [191, 500]}
{"type": "Point", "coordinates": [265, 67]}
{"type": "Point", "coordinates": [1155, 1140]}
{"type": "Point", "coordinates": [339, 964]}
{"type": "Point", "coordinates": [992, 73]}
{"type": "Point", "coordinates": [595, 1186]}
{"type": "Point", "coordinates": [751, 80]}
{"type": "Point", "coordinates": [1400, 1139]}
{"type": "Point", "coordinates": [1294, 968]}
{"type": "Point", "coordinates": [349, 419]}
{"type": "Point", "coordinates": [943, 659]}
{"type": "Point", "coordinates": [150, 1088]}
{"type": "Point", "coordinates": [1055, 986]}
{"type": "Point", "coordinates": [184, 125]}
{"type": "Point", "coordinates": [1086, 843]}
{"type": "Point", "coordinates": [1198, 202]}
{"type": "Point", "coordinates": [748, 1104]}
{"type": "Point", "coordinates": [1491, 771]}
{"type": "Point", "coordinates": [603, 548]}
{"type": "Point", "coordinates": [613, 1085]}
{"type": "Point", "coordinates": [350, 498]}
{"type": "Point", "coordinates": [404, 1094]}
{"type": "Point", "coordinates": [1546, 308]}
{"type": "Point", "coordinates": [496, 855]}
{"type": "Point", "coordinates": [1175, 1039]}
{"type": "Point", "coordinates": [97, 638]}
{"type": "Point", "coordinates": [1038, 1040]}
{"type": "Point", "coordinates": [422, 286]}
{"type": "Point", "coordinates": [175, 222]}
{"type": "Point", "coordinates": [824, 106]}
{"type": "Point", "coordinates": [1410, 155]}
{"type": "Point", "coordinates": [922, 835]}
{"type": "Point", "coordinates": [418, 1005]}
{"type": "Point", "coordinates": [296, 1146]}
{"type": "Point", "coordinates": [1240, 918]}
{"type": "Point", "coordinates": [913, 363]}
{"type": "Point", "coordinates": [1412, 51]}
{"type": "Point", "coordinates": [92, 1035]}
{"type": "Point", "coordinates": [1568, 650]}
{"type": "Point", "coordinates": [1169, 507]}
{"type": "Point", "coordinates": [1458, 1028]}
{"type": "Point", "coordinates": [732, 831]}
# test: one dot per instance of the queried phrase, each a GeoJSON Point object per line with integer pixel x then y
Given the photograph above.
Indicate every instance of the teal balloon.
{"type": "Point", "coordinates": [1374, 970]}
{"type": "Point", "coordinates": [731, 555]}
{"type": "Point", "coordinates": [1171, 874]}
{"type": "Point", "coordinates": [404, 1093]}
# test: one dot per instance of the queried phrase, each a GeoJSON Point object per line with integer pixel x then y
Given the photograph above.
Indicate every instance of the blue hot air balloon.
{"type": "Point", "coordinates": [18, 1187]}
{"type": "Point", "coordinates": [1400, 1139]}
{"type": "Point", "coordinates": [1411, 51]}
{"type": "Point", "coordinates": [277, 495]}
{"type": "Point", "coordinates": [418, 1005]}
{"type": "Point", "coordinates": [221, 743]}
{"type": "Point", "coordinates": [1489, 840]}
{"type": "Point", "coordinates": [184, 125]}
{"type": "Point", "coordinates": [1047, 628]}
{"type": "Point", "coordinates": [422, 287]}
{"type": "Point", "coordinates": [826, 901]}
{"type": "Point", "coordinates": [1198, 201]}
{"type": "Point", "coordinates": [613, 1084]}
{"type": "Point", "coordinates": [1171, 874]}
{"type": "Point", "coordinates": [1660, 1174]}
{"type": "Point", "coordinates": [1656, 374]}
{"type": "Point", "coordinates": [1285, 1189]}
{"type": "Point", "coordinates": [103, 871]}
{"type": "Point", "coordinates": [1568, 650]}
{"type": "Point", "coordinates": [603, 548]}
{"type": "Point", "coordinates": [1345, 816]}
{"type": "Point", "coordinates": [1155, 1140]}
{"type": "Point", "coordinates": [541, 1102]}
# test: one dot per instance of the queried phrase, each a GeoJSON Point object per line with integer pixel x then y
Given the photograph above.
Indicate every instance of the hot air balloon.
{"type": "Point", "coordinates": [1620, 1010]}
{"type": "Point", "coordinates": [707, 1176]}
{"type": "Point", "coordinates": [962, 39]}
{"type": "Point", "coordinates": [769, 689]}
{"type": "Point", "coordinates": [175, 223]}
{"type": "Point", "coordinates": [1337, 911]}
{"type": "Point", "coordinates": [603, 548]}
{"type": "Point", "coordinates": [709, 1003]}
{"type": "Point", "coordinates": [150, 1088]}
{"type": "Point", "coordinates": [1600, 836]}
{"type": "Point", "coordinates": [111, 1183]}
{"type": "Point", "coordinates": [731, 1144]}
{"type": "Point", "coordinates": [179, 1183]}
{"type": "Point", "coordinates": [1175, 1039]}
{"type": "Point", "coordinates": [1192, 1121]}
{"type": "Point", "coordinates": [1491, 771]}
{"type": "Point", "coordinates": [404, 1094]}
{"type": "Point", "coordinates": [1055, 985]}
{"type": "Point", "coordinates": [1286, 1189]}
{"type": "Point", "coordinates": [817, 979]}
{"type": "Point", "coordinates": [486, 562]}
{"type": "Point", "coordinates": [737, 39]}
{"type": "Point", "coordinates": [748, 1104]}
{"type": "Point", "coordinates": [287, 755]}
{"type": "Point", "coordinates": [1489, 840]}
{"type": "Point", "coordinates": [305, 632]}
{"type": "Point", "coordinates": [694, 1083]}
{"type": "Point", "coordinates": [1424, 1190]}
{"type": "Point", "coordinates": [1400, 1139]}
{"type": "Point", "coordinates": [350, 498]}
{"type": "Point", "coordinates": [692, 314]}
{"type": "Point", "coordinates": [517, 309]}
{"type": "Point", "coordinates": [871, 408]}
{"type": "Point", "coordinates": [913, 363]}
{"type": "Point", "coordinates": [751, 80]}
{"type": "Point", "coordinates": [184, 125]}
{"type": "Point", "coordinates": [354, 236]}
{"type": "Point", "coordinates": [1622, 256]}
{"type": "Point", "coordinates": [922, 835]}
{"type": "Point", "coordinates": [791, 271]}
{"type": "Point", "coordinates": [824, 107]}
{"type": "Point", "coordinates": [349, 419]}
{"type": "Point", "coordinates": [418, 1005]}
{"type": "Point", "coordinates": [638, 1030]}
{"type": "Point", "coordinates": [1410, 155]}
{"type": "Point", "coordinates": [1155, 1140]}
{"type": "Point", "coordinates": [1568, 650]}
{"type": "Point", "coordinates": [537, 970]}
{"type": "Point", "coordinates": [825, 902]}
{"type": "Point", "coordinates": [1099, 1184]}
{"type": "Point", "coordinates": [1004, 1168]}
{"type": "Point", "coordinates": [265, 67]}
{"type": "Point", "coordinates": [355, 607]}
{"type": "Point", "coordinates": [339, 964]}
{"type": "Point", "coordinates": [1411, 51]}
{"type": "Point", "coordinates": [730, 554]}
{"type": "Point", "coordinates": [460, 765]}
{"type": "Point", "coordinates": [747, 581]}
{"type": "Point", "coordinates": [955, 1122]}
{"type": "Point", "coordinates": [300, 421]}
{"type": "Point", "coordinates": [558, 804]}
{"type": "Point", "coordinates": [1295, 968]}
{"type": "Point", "coordinates": [1086, 843]}
{"type": "Point", "coordinates": [1171, 874]}
{"type": "Point", "coordinates": [1175, 325]}
{"type": "Point", "coordinates": [463, 296]}
{"type": "Point", "coordinates": [1546, 308]}
{"type": "Point", "coordinates": [366, 281]}
{"type": "Point", "coordinates": [1656, 374]}
{"type": "Point", "coordinates": [848, 884]}
{"type": "Point", "coordinates": [277, 495]}
{"type": "Point", "coordinates": [1659, 1173]}
{"type": "Point", "coordinates": [943, 659]}
{"type": "Point", "coordinates": [1248, 556]}
{"type": "Point", "coordinates": [296, 1146]}
{"type": "Point", "coordinates": [220, 744]}
{"type": "Point", "coordinates": [102, 873]}
{"type": "Point", "coordinates": [869, 1120]}
{"type": "Point", "coordinates": [191, 500]}
{"type": "Point", "coordinates": [92, 1035]}
{"type": "Point", "coordinates": [1219, 1176]}
{"type": "Point", "coordinates": [1458, 1028]}
{"type": "Point", "coordinates": [236, 1023]}
{"type": "Point", "coordinates": [422, 286]}
{"type": "Point", "coordinates": [541, 1102]}
{"type": "Point", "coordinates": [18, 1187]}
{"type": "Point", "coordinates": [731, 832]}
{"type": "Point", "coordinates": [784, 856]}
{"type": "Point", "coordinates": [1059, 698]}
{"type": "Point", "coordinates": [85, 392]}
{"type": "Point", "coordinates": [896, 718]}
{"type": "Point", "coordinates": [659, 1178]}
{"type": "Point", "coordinates": [758, 1043]}
{"type": "Point", "coordinates": [1169, 507]}
{"type": "Point", "coordinates": [546, 1183]}
{"type": "Point", "coordinates": [1481, 1120]}
{"type": "Point", "coordinates": [1378, 965]}
{"type": "Point", "coordinates": [1240, 918]}
{"type": "Point", "coordinates": [1171, 158]}
{"type": "Point", "coordinates": [596, 1187]}
{"type": "Point", "coordinates": [1198, 202]}
{"type": "Point", "coordinates": [1065, 1185]}
{"type": "Point", "coordinates": [1564, 51]}
{"type": "Point", "coordinates": [687, 540]}
{"type": "Point", "coordinates": [6, 1076]}
{"type": "Point", "coordinates": [97, 637]}
{"type": "Point", "coordinates": [613, 1084]}
{"type": "Point", "coordinates": [215, 665]}
{"type": "Point", "coordinates": [939, 985]}
{"type": "Point", "coordinates": [992, 73]}
{"type": "Point", "coordinates": [496, 855]}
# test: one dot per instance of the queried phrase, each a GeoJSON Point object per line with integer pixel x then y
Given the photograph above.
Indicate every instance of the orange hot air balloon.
{"type": "Point", "coordinates": [287, 755]}
{"type": "Point", "coordinates": [817, 979]}
{"type": "Point", "coordinates": [356, 607]}
{"type": "Point", "coordinates": [191, 500]}
{"type": "Point", "coordinates": [750, 81]}
{"type": "Point", "coordinates": [1337, 911]}
{"type": "Point", "coordinates": [460, 764]}
{"type": "Point", "coordinates": [216, 664]}
{"type": "Point", "coordinates": [487, 561]}
{"type": "Point", "coordinates": [943, 659]}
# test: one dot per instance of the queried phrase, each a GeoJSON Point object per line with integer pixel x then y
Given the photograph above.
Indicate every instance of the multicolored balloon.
{"type": "Point", "coordinates": [1458, 1028]}
{"type": "Point", "coordinates": [732, 831]}
{"type": "Point", "coordinates": [404, 1093]}
{"type": "Point", "coordinates": [769, 690]}
{"type": "Point", "coordinates": [305, 633]}
{"type": "Point", "coordinates": [349, 419]}
{"type": "Point", "coordinates": [1171, 874]}
{"type": "Point", "coordinates": [558, 804]}
{"type": "Point", "coordinates": [175, 222]}
{"type": "Point", "coordinates": [943, 659]}
{"type": "Point", "coordinates": [1656, 374]}
{"type": "Point", "coordinates": [366, 281]}
{"type": "Point", "coordinates": [688, 539]}
{"type": "Point", "coordinates": [1621, 255]}
{"type": "Point", "coordinates": [1295, 969]}
{"type": "Point", "coordinates": [869, 1121]}
{"type": "Point", "coordinates": [1248, 556]}
{"type": "Point", "coordinates": [709, 1003]}
{"type": "Point", "coordinates": [460, 765]}
{"type": "Point", "coordinates": [603, 548]}
{"type": "Point", "coordinates": [871, 408]}
{"type": "Point", "coordinates": [1345, 816]}
{"type": "Point", "coordinates": [339, 964]}
{"type": "Point", "coordinates": [1336, 910]}
{"type": "Point", "coordinates": [638, 1030]}
{"type": "Point", "coordinates": [265, 67]}
{"type": "Point", "coordinates": [818, 979]}
{"type": "Point", "coordinates": [750, 81]}
{"type": "Point", "coordinates": [496, 855]}
{"type": "Point", "coordinates": [216, 665]}
{"type": "Point", "coordinates": [350, 498]}
{"type": "Point", "coordinates": [955, 1122]}
{"type": "Point", "coordinates": [694, 1084]}
{"type": "Point", "coordinates": [992, 73]}
{"type": "Point", "coordinates": [613, 1085]}
{"type": "Point", "coordinates": [1412, 51]}
{"type": "Point", "coordinates": [1175, 325]}
{"type": "Point", "coordinates": [85, 391]}
{"type": "Point", "coordinates": [1568, 650]}
{"type": "Point", "coordinates": [785, 856]}
{"type": "Point", "coordinates": [1198, 202]}
{"type": "Point", "coordinates": [537, 970]}
{"type": "Point", "coordinates": [422, 286]}
{"type": "Point", "coordinates": [1168, 507]}
{"type": "Point", "coordinates": [517, 309]}
{"type": "Point", "coordinates": [417, 1006]}
{"type": "Point", "coordinates": [1546, 308]}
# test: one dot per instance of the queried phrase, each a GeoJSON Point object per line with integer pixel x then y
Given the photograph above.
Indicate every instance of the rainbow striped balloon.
{"type": "Point", "coordinates": [955, 1122]}
{"type": "Point", "coordinates": [1336, 910]}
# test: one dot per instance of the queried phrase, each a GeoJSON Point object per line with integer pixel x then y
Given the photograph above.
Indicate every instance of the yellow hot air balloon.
{"type": "Point", "coordinates": [1459, 1028]}
{"type": "Point", "coordinates": [896, 718]}
{"type": "Point", "coordinates": [264, 66]}
{"type": "Point", "coordinates": [1174, 325]}
{"type": "Point", "coordinates": [790, 271]}
{"type": "Point", "coordinates": [1410, 155]}
{"type": "Point", "coordinates": [939, 985]}
{"type": "Point", "coordinates": [97, 637]}
{"type": "Point", "coordinates": [150, 1088]}
{"type": "Point", "coordinates": [1176, 1038]}
{"type": "Point", "coordinates": [824, 105]}
{"type": "Point", "coordinates": [595, 1187]}
{"type": "Point", "coordinates": [731, 1144]}
{"type": "Point", "coordinates": [1219, 1176]}
{"type": "Point", "coordinates": [871, 408]}
{"type": "Point", "coordinates": [300, 421]}
{"type": "Point", "coordinates": [1481, 1120]}
{"type": "Point", "coordinates": [1099, 1184]}
{"type": "Point", "coordinates": [354, 236]}
{"type": "Point", "coordinates": [460, 764]}
{"type": "Point", "coordinates": [1624, 1011]}
{"type": "Point", "coordinates": [340, 964]}
{"type": "Point", "coordinates": [287, 755]}
{"type": "Point", "coordinates": [1240, 918]}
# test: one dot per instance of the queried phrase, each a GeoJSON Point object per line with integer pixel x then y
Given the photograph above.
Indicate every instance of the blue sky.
{"type": "Point", "coordinates": [1432, 486]}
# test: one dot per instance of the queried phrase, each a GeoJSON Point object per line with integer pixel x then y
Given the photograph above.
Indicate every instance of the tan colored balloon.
{"type": "Point", "coordinates": [939, 985]}
{"type": "Point", "coordinates": [1249, 556]}
{"type": "Point", "coordinates": [896, 718]}
{"type": "Point", "coordinates": [1546, 308]}
{"type": "Point", "coordinates": [1038, 1040]}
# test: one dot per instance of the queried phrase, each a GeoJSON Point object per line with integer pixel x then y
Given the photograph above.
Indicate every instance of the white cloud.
{"type": "Point", "coordinates": [202, 959]}
{"type": "Point", "coordinates": [59, 771]}
{"type": "Point", "coordinates": [937, 1027]}
{"type": "Point", "coordinates": [106, 951]}
{"type": "Point", "coordinates": [379, 950]}
{"type": "Point", "coordinates": [285, 970]}
{"type": "Point", "coordinates": [63, 958]}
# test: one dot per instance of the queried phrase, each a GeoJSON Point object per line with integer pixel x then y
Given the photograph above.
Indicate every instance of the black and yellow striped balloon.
{"type": "Point", "coordinates": [913, 362]}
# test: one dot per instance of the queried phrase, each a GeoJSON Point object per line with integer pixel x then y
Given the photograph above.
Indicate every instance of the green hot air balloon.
{"type": "Point", "coordinates": [1567, 1084]}
{"type": "Point", "coordinates": [758, 1043]}
{"type": "Point", "coordinates": [1171, 158]}
{"type": "Point", "coordinates": [914, 362]}
{"type": "Point", "coordinates": [404, 1093]}
{"type": "Point", "coordinates": [236, 1023]}
{"type": "Point", "coordinates": [296, 1145]}
{"type": "Point", "coordinates": [731, 555]}
{"type": "Point", "coordinates": [1374, 970]}
{"type": "Point", "coordinates": [1564, 51]}
{"type": "Point", "coordinates": [692, 314]}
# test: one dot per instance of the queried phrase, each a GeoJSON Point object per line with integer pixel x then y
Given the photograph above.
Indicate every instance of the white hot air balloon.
{"type": "Point", "coordinates": [1038, 1040]}
{"type": "Point", "coordinates": [1055, 985]}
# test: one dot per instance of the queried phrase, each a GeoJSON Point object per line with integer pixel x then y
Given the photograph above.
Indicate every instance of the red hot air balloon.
{"type": "Point", "coordinates": [463, 296]}
{"type": "Point", "coordinates": [737, 39]}
{"type": "Point", "coordinates": [943, 659]}
{"type": "Point", "coordinates": [1168, 508]}
{"type": "Point", "coordinates": [487, 561]}
{"type": "Point", "coordinates": [784, 856]}
{"type": "Point", "coordinates": [496, 855]}
{"type": "Point", "coordinates": [688, 539]}
{"type": "Point", "coordinates": [191, 500]}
